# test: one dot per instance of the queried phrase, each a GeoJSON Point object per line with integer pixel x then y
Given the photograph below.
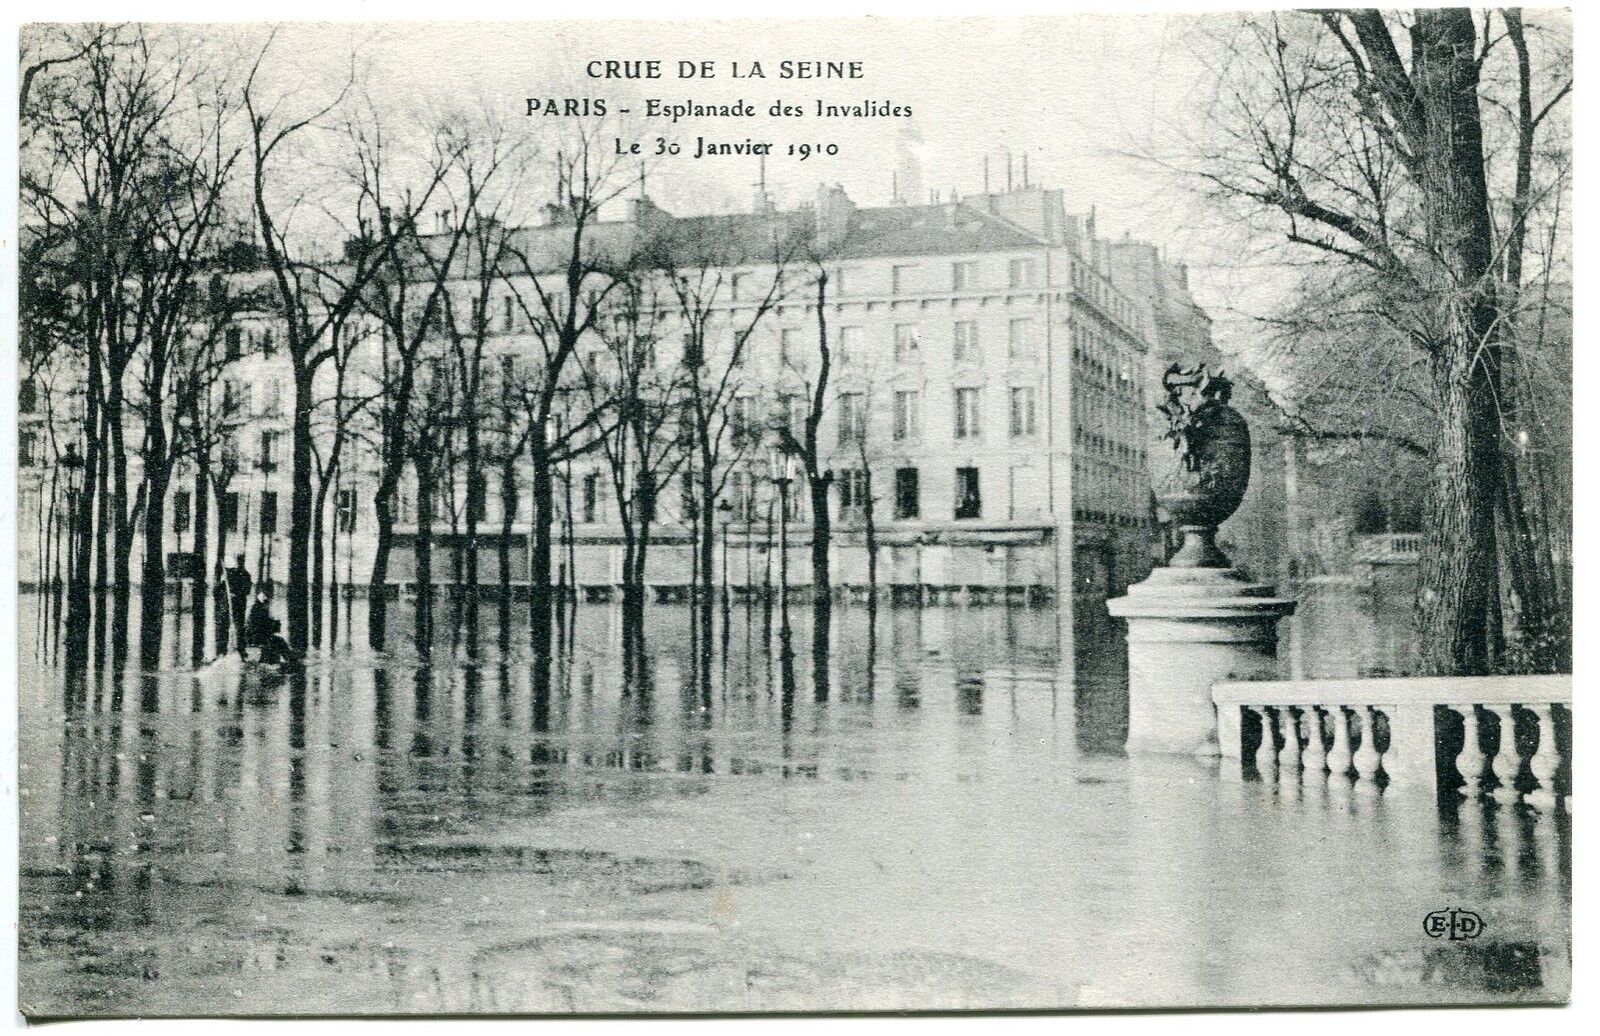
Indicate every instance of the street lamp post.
{"type": "Point", "coordinates": [725, 512]}
{"type": "Point", "coordinates": [266, 537]}
{"type": "Point", "coordinates": [749, 555]}
{"type": "Point", "coordinates": [781, 466]}
{"type": "Point", "coordinates": [73, 464]}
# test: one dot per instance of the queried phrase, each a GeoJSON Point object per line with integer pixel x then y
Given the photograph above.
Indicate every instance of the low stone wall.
{"type": "Point", "coordinates": [1508, 737]}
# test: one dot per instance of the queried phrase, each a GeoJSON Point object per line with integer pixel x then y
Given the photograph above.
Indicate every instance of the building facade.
{"type": "Point", "coordinates": [993, 368]}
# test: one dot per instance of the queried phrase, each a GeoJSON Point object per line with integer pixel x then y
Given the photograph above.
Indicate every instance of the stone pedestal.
{"type": "Point", "coordinates": [1187, 629]}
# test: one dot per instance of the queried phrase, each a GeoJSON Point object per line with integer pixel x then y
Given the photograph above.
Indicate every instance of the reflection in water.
{"type": "Point", "coordinates": [934, 812]}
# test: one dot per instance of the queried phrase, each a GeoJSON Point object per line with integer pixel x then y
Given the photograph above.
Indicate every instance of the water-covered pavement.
{"type": "Point", "coordinates": [951, 823]}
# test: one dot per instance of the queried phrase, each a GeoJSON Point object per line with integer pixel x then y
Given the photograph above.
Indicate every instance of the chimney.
{"type": "Point", "coordinates": [833, 213]}
{"type": "Point", "coordinates": [645, 211]}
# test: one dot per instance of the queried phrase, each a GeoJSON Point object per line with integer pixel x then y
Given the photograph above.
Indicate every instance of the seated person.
{"type": "Point", "coordinates": [263, 629]}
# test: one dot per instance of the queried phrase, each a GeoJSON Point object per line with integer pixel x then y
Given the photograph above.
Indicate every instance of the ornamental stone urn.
{"type": "Point", "coordinates": [1203, 480]}
{"type": "Point", "coordinates": [1197, 620]}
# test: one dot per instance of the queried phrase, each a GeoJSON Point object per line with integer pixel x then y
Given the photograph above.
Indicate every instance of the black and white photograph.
{"type": "Point", "coordinates": [587, 516]}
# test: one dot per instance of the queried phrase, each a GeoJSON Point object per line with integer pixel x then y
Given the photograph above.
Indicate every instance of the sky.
{"type": "Point", "coordinates": [1090, 102]}
{"type": "Point", "coordinates": [1078, 96]}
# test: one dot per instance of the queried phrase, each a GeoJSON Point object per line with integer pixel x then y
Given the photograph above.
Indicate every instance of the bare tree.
{"type": "Point", "coordinates": [728, 275]}
{"type": "Point", "coordinates": [315, 291]}
{"type": "Point", "coordinates": [1375, 143]}
{"type": "Point", "coordinates": [561, 278]}
{"type": "Point", "coordinates": [643, 398]}
{"type": "Point", "coordinates": [122, 182]}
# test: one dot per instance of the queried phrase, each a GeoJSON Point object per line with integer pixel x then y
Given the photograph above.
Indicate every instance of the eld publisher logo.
{"type": "Point", "coordinates": [1456, 923]}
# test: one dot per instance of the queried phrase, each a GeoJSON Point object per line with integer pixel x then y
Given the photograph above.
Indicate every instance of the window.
{"type": "Point", "coordinates": [738, 496]}
{"type": "Point", "coordinates": [236, 398]}
{"type": "Point", "coordinates": [27, 396]}
{"type": "Point", "coordinates": [852, 417]}
{"type": "Point", "coordinates": [963, 276]}
{"type": "Point", "coordinates": [740, 424]}
{"type": "Point", "coordinates": [906, 342]}
{"type": "Point", "coordinates": [1023, 411]}
{"type": "Point", "coordinates": [1020, 342]}
{"type": "Point", "coordinates": [840, 280]}
{"type": "Point", "coordinates": [1024, 273]}
{"type": "Point", "coordinates": [269, 513]}
{"type": "Point", "coordinates": [853, 490]}
{"type": "Point", "coordinates": [269, 342]}
{"type": "Point", "coordinates": [477, 498]}
{"type": "Point", "coordinates": [274, 407]}
{"type": "Point", "coordinates": [686, 495]}
{"type": "Point", "coordinates": [791, 412]}
{"type": "Point", "coordinates": [968, 502]}
{"type": "Point", "coordinates": [966, 338]}
{"type": "Point", "coordinates": [229, 518]}
{"type": "Point", "coordinates": [344, 510]}
{"type": "Point", "coordinates": [789, 347]}
{"type": "Point", "coordinates": [900, 279]}
{"type": "Point", "coordinates": [907, 415]}
{"type": "Point", "coordinates": [907, 493]}
{"type": "Point", "coordinates": [233, 341]}
{"type": "Point", "coordinates": [967, 423]}
{"type": "Point", "coordinates": [849, 346]}
{"type": "Point", "coordinates": [180, 512]}
{"type": "Point", "coordinates": [268, 458]}
{"type": "Point", "coordinates": [508, 317]}
{"type": "Point", "coordinates": [27, 447]}
{"type": "Point", "coordinates": [591, 496]}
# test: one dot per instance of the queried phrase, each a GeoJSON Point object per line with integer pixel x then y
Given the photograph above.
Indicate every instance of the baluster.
{"type": "Point", "coordinates": [1315, 756]}
{"type": "Point", "coordinates": [1544, 762]}
{"type": "Point", "coordinates": [1267, 751]}
{"type": "Point", "coordinates": [1289, 754]}
{"type": "Point", "coordinates": [1385, 758]}
{"type": "Point", "coordinates": [1470, 762]}
{"type": "Point", "coordinates": [1366, 757]}
{"type": "Point", "coordinates": [1339, 754]}
{"type": "Point", "coordinates": [1507, 764]}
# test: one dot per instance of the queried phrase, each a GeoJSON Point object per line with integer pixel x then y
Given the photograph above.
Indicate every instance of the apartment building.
{"type": "Point", "coordinates": [992, 368]}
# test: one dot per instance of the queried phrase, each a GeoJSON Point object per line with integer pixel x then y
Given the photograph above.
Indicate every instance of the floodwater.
{"type": "Point", "coordinates": [948, 822]}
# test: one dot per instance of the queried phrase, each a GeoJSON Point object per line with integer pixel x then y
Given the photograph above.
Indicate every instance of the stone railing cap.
{"type": "Point", "coordinates": [1399, 690]}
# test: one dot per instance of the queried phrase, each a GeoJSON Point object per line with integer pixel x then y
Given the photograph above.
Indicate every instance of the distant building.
{"type": "Point", "coordinates": [1256, 537]}
{"type": "Point", "coordinates": [999, 361]}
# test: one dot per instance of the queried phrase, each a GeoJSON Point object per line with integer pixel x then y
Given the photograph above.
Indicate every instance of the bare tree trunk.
{"type": "Point", "coordinates": [1460, 575]}
{"type": "Point", "coordinates": [508, 505]}
{"type": "Point", "coordinates": [300, 512]}
{"type": "Point", "coordinates": [121, 579]}
{"type": "Point", "coordinates": [422, 548]}
{"type": "Point", "coordinates": [540, 559]}
{"type": "Point", "coordinates": [319, 522]}
{"type": "Point", "coordinates": [378, 580]}
{"type": "Point", "coordinates": [153, 577]}
{"type": "Point", "coordinates": [202, 544]}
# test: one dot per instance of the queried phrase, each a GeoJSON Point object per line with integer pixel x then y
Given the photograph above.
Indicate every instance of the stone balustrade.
{"type": "Point", "coordinates": [1500, 736]}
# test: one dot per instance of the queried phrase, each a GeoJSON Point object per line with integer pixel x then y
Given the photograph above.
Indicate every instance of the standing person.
{"type": "Point", "coordinates": [239, 596]}
{"type": "Point", "coordinates": [263, 629]}
{"type": "Point", "coordinates": [222, 609]}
